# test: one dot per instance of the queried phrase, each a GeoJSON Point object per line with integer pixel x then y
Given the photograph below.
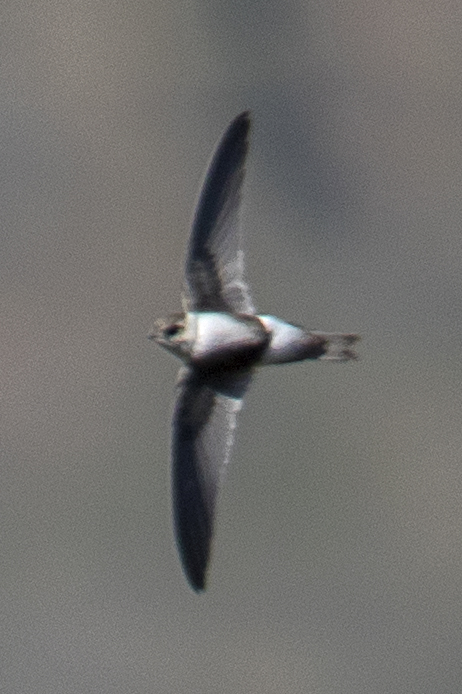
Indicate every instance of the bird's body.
{"type": "Point", "coordinates": [221, 341]}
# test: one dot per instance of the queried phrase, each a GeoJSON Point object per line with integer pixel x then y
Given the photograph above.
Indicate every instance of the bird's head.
{"type": "Point", "coordinates": [173, 334]}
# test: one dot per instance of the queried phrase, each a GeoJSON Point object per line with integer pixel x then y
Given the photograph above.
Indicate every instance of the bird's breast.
{"type": "Point", "coordinates": [224, 340]}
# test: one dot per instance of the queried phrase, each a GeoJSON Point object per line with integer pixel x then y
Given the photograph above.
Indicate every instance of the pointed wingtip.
{"type": "Point", "coordinates": [241, 123]}
{"type": "Point", "coordinates": [245, 116]}
{"type": "Point", "coordinates": [196, 574]}
{"type": "Point", "coordinates": [198, 587]}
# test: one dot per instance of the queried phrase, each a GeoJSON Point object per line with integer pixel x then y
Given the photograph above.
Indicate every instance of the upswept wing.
{"type": "Point", "coordinates": [215, 262]}
{"type": "Point", "coordinates": [203, 430]}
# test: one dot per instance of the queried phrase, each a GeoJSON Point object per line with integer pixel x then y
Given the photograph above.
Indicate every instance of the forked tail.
{"type": "Point", "coordinates": [339, 346]}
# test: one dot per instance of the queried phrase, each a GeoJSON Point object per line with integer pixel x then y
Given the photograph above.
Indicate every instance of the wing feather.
{"type": "Point", "coordinates": [215, 261]}
{"type": "Point", "coordinates": [203, 429]}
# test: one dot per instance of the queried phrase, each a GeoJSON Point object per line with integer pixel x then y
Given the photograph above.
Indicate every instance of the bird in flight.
{"type": "Point", "coordinates": [221, 339]}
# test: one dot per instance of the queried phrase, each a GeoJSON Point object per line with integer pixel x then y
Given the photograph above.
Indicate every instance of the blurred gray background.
{"type": "Point", "coordinates": [337, 566]}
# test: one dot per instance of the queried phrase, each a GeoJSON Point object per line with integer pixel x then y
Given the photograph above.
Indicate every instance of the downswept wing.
{"type": "Point", "coordinates": [215, 261]}
{"type": "Point", "coordinates": [203, 430]}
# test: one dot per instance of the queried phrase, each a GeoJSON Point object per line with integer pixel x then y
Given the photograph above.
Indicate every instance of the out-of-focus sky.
{"type": "Point", "coordinates": [337, 566]}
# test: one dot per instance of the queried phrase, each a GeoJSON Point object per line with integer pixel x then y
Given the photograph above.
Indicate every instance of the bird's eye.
{"type": "Point", "coordinates": [172, 330]}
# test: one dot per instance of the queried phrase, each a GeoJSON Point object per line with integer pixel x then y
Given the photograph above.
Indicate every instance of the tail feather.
{"type": "Point", "coordinates": [339, 346]}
